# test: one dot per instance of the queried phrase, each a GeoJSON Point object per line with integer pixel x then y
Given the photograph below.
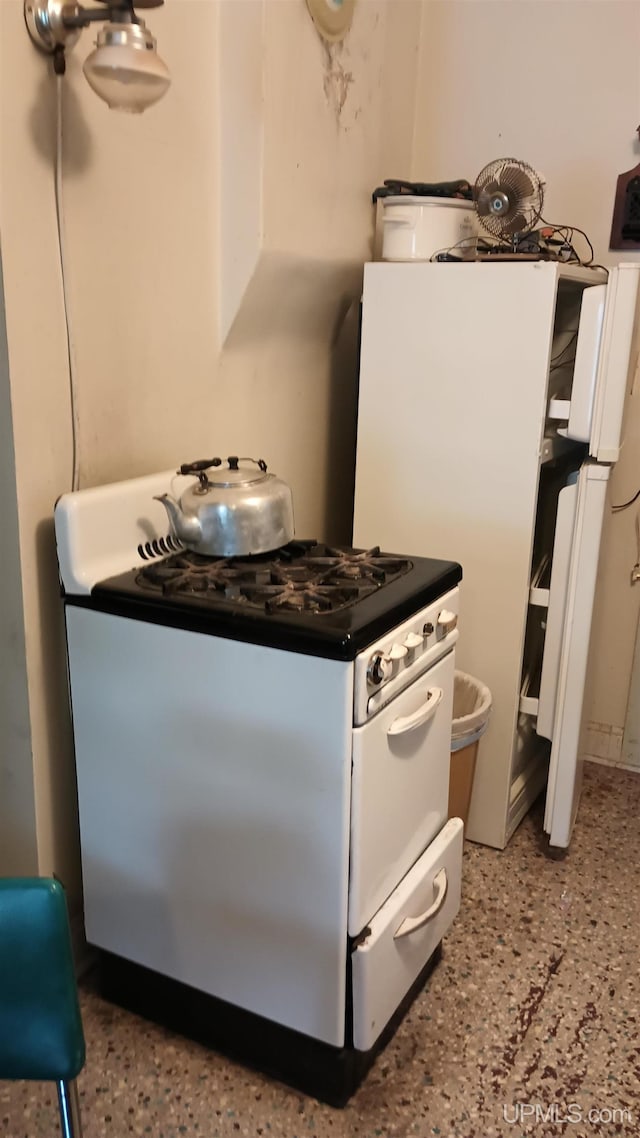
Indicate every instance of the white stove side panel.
{"type": "Point", "coordinates": [214, 787]}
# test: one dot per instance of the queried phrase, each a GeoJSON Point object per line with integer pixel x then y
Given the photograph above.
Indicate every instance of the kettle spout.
{"type": "Point", "coordinates": [187, 529]}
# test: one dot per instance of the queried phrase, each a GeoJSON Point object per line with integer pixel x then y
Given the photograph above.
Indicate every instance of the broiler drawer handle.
{"type": "Point", "coordinates": [412, 924]}
{"type": "Point", "coordinates": [406, 723]}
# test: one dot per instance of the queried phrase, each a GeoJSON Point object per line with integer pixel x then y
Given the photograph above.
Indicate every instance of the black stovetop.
{"type": "Point", "coordinates": [306, 597]}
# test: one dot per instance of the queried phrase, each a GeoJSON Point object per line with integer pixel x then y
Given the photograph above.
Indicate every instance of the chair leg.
{"type": "Point", "coordinates": [69, 1109]}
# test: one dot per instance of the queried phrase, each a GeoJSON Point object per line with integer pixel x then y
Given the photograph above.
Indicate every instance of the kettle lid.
{"type": "Point", "coordinates": [232, 473]}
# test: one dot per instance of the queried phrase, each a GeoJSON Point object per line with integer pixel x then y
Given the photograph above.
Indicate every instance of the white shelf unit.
{"type": "Point", "coordinates": [465, 395]}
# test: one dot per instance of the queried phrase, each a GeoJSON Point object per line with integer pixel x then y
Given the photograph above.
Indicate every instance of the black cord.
{"type": "Point", "coordinates": [554, 359]}
{"type": "Point", "coordinates": [571, 229]}
{"type": "Point", "coordinates": [625, 505]}
{"type": "Point", "coordinates": [581, 231]}
{"type": "Point", "coordinates": [561, 367]}
{"type": "Point", "coordinates": [59, 59]}
{"type": "Point", "coordinates": [490, 244]}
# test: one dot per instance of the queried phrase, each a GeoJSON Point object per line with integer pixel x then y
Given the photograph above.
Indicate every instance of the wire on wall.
{"type": "Point", "coordinates": [625, 505]}
{"type": "Point", "coordinates": [62, 247]}
{"type": "Point", "coordinates": [635, 572]}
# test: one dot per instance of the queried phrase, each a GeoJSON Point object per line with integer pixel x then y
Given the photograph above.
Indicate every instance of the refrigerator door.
{"type": "Point", "coordinates": [557, 605]}
{"type": "Point", "coordinates": [565, 768]}
{"type": "Point", "coordinates": [612, 375]}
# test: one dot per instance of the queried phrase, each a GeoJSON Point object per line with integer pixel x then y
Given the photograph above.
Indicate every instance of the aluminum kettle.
{"type": "Point", "coordinates": [240, 511]}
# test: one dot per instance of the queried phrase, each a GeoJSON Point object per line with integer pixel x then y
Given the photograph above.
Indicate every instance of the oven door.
{"type": "Point", "coordinates": [399, 788]}
{"type": "Point", "coordinates": [404, 934]}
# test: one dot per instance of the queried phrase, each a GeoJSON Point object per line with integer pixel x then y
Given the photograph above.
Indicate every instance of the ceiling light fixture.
{"type": "Point", "coordinates": [124, 69]}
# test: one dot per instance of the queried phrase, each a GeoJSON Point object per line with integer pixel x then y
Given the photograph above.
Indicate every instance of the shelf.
{"type": "Point", "coordinates": [530, 690]}
{"type": "Point", "coordinates": [529, 696]}
{"type": "Point", "coordinates": [539, 597]}
{"type": "Point", "coordinates": [559, 409]}
{"type": "Point", "coordinates": [539, 588]}
{"type": "Point", "coordinates": [529, 704]}
{"type": "Point", "coordinates": [534, 648]}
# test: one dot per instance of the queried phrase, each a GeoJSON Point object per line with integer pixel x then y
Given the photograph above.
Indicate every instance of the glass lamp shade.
{"type": "Point", "coordinates": [128, 77]}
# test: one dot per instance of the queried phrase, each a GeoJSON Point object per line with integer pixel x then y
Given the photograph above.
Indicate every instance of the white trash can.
{"type": "Point", "coordinates": [471, 709]}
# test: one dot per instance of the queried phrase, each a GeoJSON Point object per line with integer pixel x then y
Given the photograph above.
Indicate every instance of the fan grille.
{"type": "Point", "coordinates": [508, 195]}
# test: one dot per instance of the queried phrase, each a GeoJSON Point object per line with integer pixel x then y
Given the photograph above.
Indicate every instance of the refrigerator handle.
{"type": "Point", "coordinates": [565, 521]}
{"type": "Point", "coordinates": [613, 370]}
{"type": "Point", "coordinates": [585, 368]}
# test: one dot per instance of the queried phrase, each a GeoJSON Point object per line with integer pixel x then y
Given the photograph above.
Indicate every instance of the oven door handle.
{"type": "Point", "coordinates": [428, 709]}
{"type": "Point", "coordinates": [412, 924]}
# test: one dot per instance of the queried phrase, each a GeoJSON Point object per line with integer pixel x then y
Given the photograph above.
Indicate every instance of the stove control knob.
{"type": "Point", "coordinates": [447, 621]}
{"type": "Point", "coordinates": [397, 652]}
{"type": "Point", "coordinates": [413, 640]}
{"type": "Point", "coordinates": [379, 669]}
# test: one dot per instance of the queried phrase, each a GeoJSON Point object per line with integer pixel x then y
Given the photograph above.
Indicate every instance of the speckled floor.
{"type": "Point", "coordinates": [528, 1025]}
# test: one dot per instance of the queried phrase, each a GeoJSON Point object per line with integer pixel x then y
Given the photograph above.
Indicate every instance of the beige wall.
{"type": "Point", "coordinates": [143, 209]}
{"type": "Point", "coordinates": [37, 750]}
{"type": "Point", "coordinates": [557, 83]}
{"type": "Point", "coordinates": [334, 119]}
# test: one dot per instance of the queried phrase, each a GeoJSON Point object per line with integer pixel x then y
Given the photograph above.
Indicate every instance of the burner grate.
{"type": "Point", "coordinates": [300, 577]}
{"type": "Point", "coordinates": [363, 564]}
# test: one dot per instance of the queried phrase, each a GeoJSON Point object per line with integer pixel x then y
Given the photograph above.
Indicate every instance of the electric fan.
{"type": "Point", "coordinates": [508, 196]}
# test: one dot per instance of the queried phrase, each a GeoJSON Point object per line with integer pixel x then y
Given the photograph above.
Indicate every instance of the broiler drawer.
{"type": "Point", "coordinates": [404, 933]}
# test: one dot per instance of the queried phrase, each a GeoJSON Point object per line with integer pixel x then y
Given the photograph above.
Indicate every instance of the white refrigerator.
{"type": "Point", "coordinates": [489, 415]}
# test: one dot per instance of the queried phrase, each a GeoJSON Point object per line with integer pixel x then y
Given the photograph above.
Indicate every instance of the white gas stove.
{"type": "Point", "coordinates": [262, 751]}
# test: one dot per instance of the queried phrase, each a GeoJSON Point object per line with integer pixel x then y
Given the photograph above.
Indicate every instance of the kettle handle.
{"type": "Point", "coordinates": [200, 466]}
{"type": "Point", "coordinates": [203, 464]}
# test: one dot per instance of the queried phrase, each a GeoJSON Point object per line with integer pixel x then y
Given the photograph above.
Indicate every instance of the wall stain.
{"type": "Point", "coordinates": [336, 80]}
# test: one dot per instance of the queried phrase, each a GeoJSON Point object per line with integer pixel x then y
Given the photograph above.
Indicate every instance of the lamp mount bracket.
{"type": "Point", "coordinates": [55, 24]}
{"type": "Point", "coordinates": [45, 20]}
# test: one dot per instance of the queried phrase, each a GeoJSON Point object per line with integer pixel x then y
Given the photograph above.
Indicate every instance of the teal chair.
{"type": "Point", "coordinates": [41, 1033]}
